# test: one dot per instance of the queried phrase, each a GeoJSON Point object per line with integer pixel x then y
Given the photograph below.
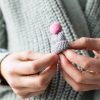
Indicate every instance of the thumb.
{"type": "Point", "coordinates": [36, 66]}
{"type": "Point", "coordinates": [29, 55]}
{"type": "Point", "coordinates": [86, 43]}
{"type": "Point", "coordinates": [44, 62]}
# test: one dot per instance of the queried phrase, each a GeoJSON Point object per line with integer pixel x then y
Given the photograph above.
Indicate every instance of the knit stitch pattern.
{"type": "Point", "coordinates": [27, 23]}
{"type": "Point", "coordinates": [58, 43]}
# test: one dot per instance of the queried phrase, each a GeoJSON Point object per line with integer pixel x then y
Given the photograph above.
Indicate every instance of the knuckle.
{"type": "Point", "coordinates": [84, 40]}
{"type": "Point", "coordinates": [86, 64]}
{"type": "Point", "coordinates": [12, 83]}
{"type": "Point", "coordinates": [18, 92]}
{"type": "Point", "coordinates": [22, 97]}
{"type": "Point", "coordinates": [8, 68]}
{"type": "Point", "coordinates": [78, 88]}
{"type": "Point", "coordinates": [42, 84]}
{"type": "Point", "coordinates": [10, 71]}
{"type": "Point", "coordinates": [34, 67]}
{"type": "Point", "coordinates": [79, 79]}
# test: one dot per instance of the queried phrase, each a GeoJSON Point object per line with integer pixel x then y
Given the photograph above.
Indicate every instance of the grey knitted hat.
{"type": "Point", "coordinates": [58, 40]}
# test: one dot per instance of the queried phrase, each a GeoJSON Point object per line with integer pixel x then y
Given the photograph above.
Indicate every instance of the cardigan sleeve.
{"type": "Point", "coordinates": [3, 43]}
{"type": "Point", "coordinates": [3, 38]}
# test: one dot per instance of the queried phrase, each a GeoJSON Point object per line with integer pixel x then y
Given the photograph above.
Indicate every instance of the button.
{"type": "Point", "coordinates": [55, 28]}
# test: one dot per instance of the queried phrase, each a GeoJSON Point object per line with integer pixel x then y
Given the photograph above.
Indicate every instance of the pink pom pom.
{"type": "Point", "coordinates": [55, 28]}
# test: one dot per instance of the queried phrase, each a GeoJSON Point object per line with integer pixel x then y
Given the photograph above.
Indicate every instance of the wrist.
{"type": "Point", "coordinates": [2, 80]}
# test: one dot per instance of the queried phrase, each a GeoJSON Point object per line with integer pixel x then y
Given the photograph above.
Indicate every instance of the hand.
{"type": "Point", "coordinates": [29, 73]}
{"type": "Point", "coordinates": [88, 79]}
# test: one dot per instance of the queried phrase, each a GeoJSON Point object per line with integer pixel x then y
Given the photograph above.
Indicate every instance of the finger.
{"type": "Point", "coordinates": [91, 77]}
{"type": "Point", "coordinates": [48, 60]}
{"type": "Point", "coordinates": [84, 61]}
{"type": "Point", "coordinates": [33, 94]}
{"type": "Point", "coordinates": [29, 55]}
{"type": "Point", "coordinates": [79, 77]}
{"type": "Point", "coordinates": [79, 86]}
{"type": "Point", "coordinates": [23, 96]}
{"type": "Point", "coordinates": [36, 82]}
{"type": "Point", "coordinates": [26, 90]}
{"type": "Point", "coordinates": [48, 73]}
{"type": "Point", "coordinates": [33, 67]}
{"type": "Point", "coordinates": [86, 43]}
{"type": "Point", "coordinates": [29, 82]}
{"type": "Point", "coordinates": [97, 54]}
{"type": "Point", "coordinates": [70, 69]}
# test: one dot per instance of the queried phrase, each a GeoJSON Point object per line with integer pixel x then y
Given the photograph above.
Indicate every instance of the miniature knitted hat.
{"type": "Point", "coordinates": [58, 40]}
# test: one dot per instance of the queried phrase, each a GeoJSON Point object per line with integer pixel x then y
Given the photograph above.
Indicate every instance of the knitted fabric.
{"type": "Point", "coordinates": [58, 43]}
{"type": "Point", "coordinates": [27, 23]}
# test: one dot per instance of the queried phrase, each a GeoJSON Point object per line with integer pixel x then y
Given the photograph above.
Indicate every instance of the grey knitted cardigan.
{"type": "Point", "coordinates": [26, 27]}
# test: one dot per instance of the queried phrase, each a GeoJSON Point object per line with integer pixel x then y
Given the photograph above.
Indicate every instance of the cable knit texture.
{"type": "Point", "coordinates": [27, 23]}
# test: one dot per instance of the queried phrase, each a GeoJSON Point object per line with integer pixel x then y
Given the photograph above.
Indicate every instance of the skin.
{"type": "Point", "coordinates": [85, 80]}
{"type": "Point", "coordinates": [28, 73]}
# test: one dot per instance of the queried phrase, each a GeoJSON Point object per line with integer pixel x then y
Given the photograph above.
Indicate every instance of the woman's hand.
{"type": "Point", "coordinates": [29, 73]}
{"type": "Point", "coordinates": [89, 79]}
